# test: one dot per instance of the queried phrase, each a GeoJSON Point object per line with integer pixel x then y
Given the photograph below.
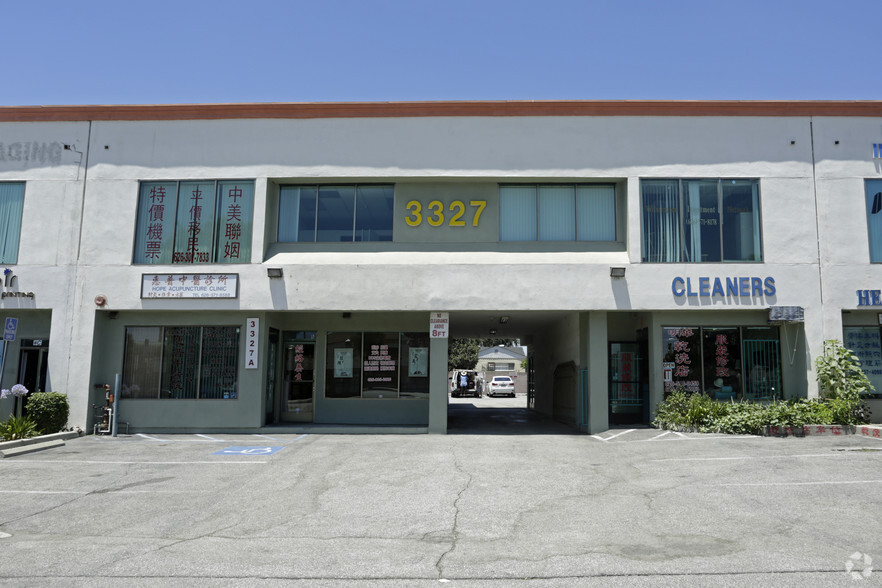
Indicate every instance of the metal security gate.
{"type": "Point", "coordinates": [762, 369]}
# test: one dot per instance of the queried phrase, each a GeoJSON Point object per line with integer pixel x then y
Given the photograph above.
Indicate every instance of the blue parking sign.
{"type": "Point", "coordinates": [9, 331]}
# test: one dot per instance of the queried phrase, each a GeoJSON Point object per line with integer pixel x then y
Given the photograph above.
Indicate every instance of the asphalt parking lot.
{"type": "Point", "coordinates": [635, 507]}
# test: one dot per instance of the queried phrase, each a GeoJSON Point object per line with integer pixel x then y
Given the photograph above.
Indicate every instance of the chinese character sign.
{"type": "Point", "coordinates": [156, 221]}
{"type": "Point", "coordinates": [194, 222]}
{"type": "Point", "coordinates": [683, 347]}
{"type": "Point", "coordinates": [234, 219]}
{"type": "Point", "coordinates": [189, 285]}
{"type": "Point", "coordinates": [722, 361]}
{"type": "Point", "coordinates": [195, 216]}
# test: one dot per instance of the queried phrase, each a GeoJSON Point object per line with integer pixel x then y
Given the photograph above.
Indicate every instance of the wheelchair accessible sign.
{"type": "Point", "coordinates": [248, 450]}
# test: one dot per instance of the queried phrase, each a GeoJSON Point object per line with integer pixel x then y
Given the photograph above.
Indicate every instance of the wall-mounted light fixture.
{"type": "Point", "coordinates": [503, 320]}
{"type": "Point", "coordinates": [274, 272]}
{"type": "Point", "coordinates": [617, 272]}
{"type": "Point", "coordinates": [492, 331]}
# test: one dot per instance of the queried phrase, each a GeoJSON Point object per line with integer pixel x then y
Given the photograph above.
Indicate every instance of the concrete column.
{"type": "Point", "coordinates": [655, 355]}
{"type": "Point", "coordinates": [598, 373]}
{"type": "Point", "coordinates": [438, 386]}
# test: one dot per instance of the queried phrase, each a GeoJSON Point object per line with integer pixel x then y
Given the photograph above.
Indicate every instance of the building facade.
{"type": "Point", "coordinates": [247, 266]}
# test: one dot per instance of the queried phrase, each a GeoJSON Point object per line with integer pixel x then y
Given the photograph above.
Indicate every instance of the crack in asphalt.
{"type": "Point", "coordinates": [454, 532]}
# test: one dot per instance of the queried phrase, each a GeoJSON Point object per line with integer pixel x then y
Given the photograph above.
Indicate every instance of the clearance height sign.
{"type": "Point", "coordinates": [439, 322]}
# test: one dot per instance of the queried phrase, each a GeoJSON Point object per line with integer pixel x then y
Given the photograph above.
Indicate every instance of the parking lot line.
{"type": "Point", "coordinates": [605, 439]}
{"type": "Point", "coordinates": [14, 461]}
{"type": "Point", "coordinates": [87, 492]}
{"type": "Point", "coordinates": [820, 483]}
{"type": "Point", "coordinates": [153, 438]}
{"type": "Point", "coordinates": [746, 457]}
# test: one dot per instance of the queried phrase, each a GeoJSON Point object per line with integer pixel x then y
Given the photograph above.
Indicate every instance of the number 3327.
{"type": "Point", "coordinates": [434, 213]}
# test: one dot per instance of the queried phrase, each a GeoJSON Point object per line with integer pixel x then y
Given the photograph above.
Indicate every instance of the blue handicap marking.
{"type": "Point", "coordinates": [248, 450]}
{"type": "Point", "coordinates": [10, 328]}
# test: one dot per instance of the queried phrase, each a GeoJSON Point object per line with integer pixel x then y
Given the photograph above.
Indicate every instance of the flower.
{"type": "Point", "coordinates": [17, 390]}
{"type": "Point", "coordinates": [4, 394]}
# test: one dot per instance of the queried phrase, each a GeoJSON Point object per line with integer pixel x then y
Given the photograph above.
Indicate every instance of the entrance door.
{"type": "Point", "coordinates": [272, 364]}
{"type": "Point", "coordinates": [298, 382]}
{"type": "Point", "coordinates": [627, 398]}
{"type": "Point", "coordinates": [32, 367]}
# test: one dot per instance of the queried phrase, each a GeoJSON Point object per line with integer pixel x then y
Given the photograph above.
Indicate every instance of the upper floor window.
{"type": "Point", "coordinates": [336, 213]}
{"type": "Point", "coordinates": [11, 206]}
{"type": "Point", "coordinates": [873, 190]}
{"type": "Point", "coordinates": [204, 221]}
{"type": "Point", "coordinates": [557, 213]}
{"type": "Point", "coordinates": [700, 220]}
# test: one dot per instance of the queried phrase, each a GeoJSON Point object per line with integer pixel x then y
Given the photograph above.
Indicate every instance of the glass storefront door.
{"type": "Point", "coordinates": [627, 394]}
{"type": "Point", "coordinates": [298, 381]}
{"type": "Point", "coordinates": [272, 365]}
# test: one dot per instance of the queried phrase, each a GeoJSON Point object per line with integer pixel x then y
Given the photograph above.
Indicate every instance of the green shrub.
{"type": "Point", "coordinates": [49, 411]}
{"type": "Point", "coordinates": [840, 374]}
{"type": "Point", "coordinates": [848, 412]}
{"type": "Point", "coordinates": [743, 418]}
{"type": "Point", "coordinates": [682, 410]}
{"type": "Point", "coordinates": [17, 428]}
{"type": "Point", "coordinates": [697, 412]}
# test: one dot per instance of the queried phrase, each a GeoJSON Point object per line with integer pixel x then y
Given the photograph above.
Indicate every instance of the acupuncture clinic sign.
{"type": "Point", "coordinates": [189, 285]}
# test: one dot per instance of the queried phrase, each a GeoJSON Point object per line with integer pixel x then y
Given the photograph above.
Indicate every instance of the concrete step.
{"type": "Point", "coordinates": [30, 448]}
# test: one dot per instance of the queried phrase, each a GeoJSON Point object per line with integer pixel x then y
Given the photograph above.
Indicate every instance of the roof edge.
{"type": "Point", "coordinates": [315, 110]}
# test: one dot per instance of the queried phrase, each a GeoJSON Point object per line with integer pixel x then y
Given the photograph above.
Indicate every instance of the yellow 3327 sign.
{"type": "Point", "coordinates": [434, 213]}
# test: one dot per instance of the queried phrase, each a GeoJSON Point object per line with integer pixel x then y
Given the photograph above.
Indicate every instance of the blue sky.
{"type": "Point", "coordinates": [181, 51]}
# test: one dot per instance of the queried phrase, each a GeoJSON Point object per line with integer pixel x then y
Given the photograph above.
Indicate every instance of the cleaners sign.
{"type": "Point", "coordinates": [706, 287]}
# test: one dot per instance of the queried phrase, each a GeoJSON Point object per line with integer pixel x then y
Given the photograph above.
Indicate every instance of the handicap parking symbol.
{"type": "Point", "coordinates": [247, 450]}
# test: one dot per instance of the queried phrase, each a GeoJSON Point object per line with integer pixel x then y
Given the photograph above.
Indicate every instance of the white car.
{"type": "Point", "coordinates": [501, 386]}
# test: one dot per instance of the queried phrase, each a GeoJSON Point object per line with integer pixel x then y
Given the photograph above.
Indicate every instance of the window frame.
{"type": "Point", "coordinates": [216, 255]}
{"type": "Point", "coordinates": [537, 231]}
{"type": "Point", "coordinates": [872, 208]}
{"type": "Point", "coordinates": [16, 216]}
{"type": "Point", "coordinates": [317, 218]}
{"type": "Point", "coordinates": [870, 356]}
{"type": "Point", "coordinates": [733, 370]}
{"type": "Point", "coordinates": [409, 384]}
{"type": "Point", "coordinates": [161, 368]}
{"type": "Point", "coordinates": [684, 253]}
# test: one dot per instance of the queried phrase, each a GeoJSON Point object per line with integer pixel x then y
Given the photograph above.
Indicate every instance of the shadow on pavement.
{"type": "Point", "coordinates": [468, 419]}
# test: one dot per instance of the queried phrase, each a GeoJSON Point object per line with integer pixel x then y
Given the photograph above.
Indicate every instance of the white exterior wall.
{"type": "Point", "coordinates": [844, 239]}
{"type": "Point", "coordinates": [67, 270]}
{"type": "Point", "coordinates": [35, 153]}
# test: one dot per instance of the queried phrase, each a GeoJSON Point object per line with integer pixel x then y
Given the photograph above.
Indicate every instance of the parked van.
{"type": "Point", "coordinates": [473, 387]}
